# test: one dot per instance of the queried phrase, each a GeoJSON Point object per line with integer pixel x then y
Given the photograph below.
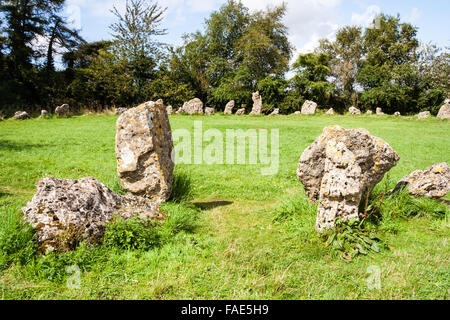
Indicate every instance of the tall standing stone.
{"type": "Point", "coordinates": [354, 110]}
{"type": "Point", "coordinates": [62, 110]}
{"type": "Point", "coordinates": [144, 151]}
{"type": "Point", "coordinates": [194, 106]}
{"type": "Point", "coordinates": [339, 167]}
{"type": "Point", "coordinates": [257, 103]}
{"type": "Point", "coordinates": [229, 107]}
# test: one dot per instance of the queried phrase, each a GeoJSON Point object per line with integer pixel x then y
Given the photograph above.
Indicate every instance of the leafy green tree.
{"type": "Point", "coordinates": [134, 39]}
{"type": "Point", "coordinates": [310, 80]}
{"type": "Point", "coordinates": [273, 90]}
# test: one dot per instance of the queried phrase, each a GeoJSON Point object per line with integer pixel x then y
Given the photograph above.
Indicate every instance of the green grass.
{"type": "Point", "coordinates": [232, 233]}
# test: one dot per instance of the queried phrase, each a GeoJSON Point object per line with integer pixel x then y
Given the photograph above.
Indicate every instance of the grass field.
{"type": "Point", "coordinates": [236, 234]}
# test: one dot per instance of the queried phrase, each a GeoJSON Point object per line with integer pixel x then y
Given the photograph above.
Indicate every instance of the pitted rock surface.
{"type": "Point", "coordinates": [354, 110]}
{"type": "Point", "coordinates": [21, 115]}
{"type": "Point", "coordinates": [209, 111]}
{"type": "Point", "coordinates": [240, 111]}
{"type": "Point", "coordinates": [330, 111]}
{"type": "Point", "coordinates": [194, 106]}
{"type": "Point", "coordinates": [84, 206]}
{"type": "Point", "coordinates": [433, 182]}
{"type": "Point", "coordinates": [444, 111]}
{"type": "Point", "coordinates": [144, 151]}
{"type": "Point", "coordinates": [62, 110]}
{"type": "Point", "coordinates": [339, 167]}
{"type": "Point", "coordinates": [424, 115]}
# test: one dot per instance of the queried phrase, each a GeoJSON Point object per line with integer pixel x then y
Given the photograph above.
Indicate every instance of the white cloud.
{"type": "Point", "coordinates": [366, 18]}
{"type": "Point", "coordinates": [308, 20]}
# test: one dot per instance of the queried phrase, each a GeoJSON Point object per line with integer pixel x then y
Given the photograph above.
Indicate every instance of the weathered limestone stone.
{"type": "Point", "coordinates": [309, 107]}
{"type": "Point", "coordinates": [194, 106]}
{"type": "Point", "coordinates": [119, 111]}
{"type": "Point", "coordinates": [297, 112]}
{"type": "Point", "coordinates": [229, 107]}
{"type": "Point", "coordinates": [354, 110]}
{"type": "Point", "coordinates": [433, 182]}
{"type": "Point", "coordinates": [169, 110]}
{"type": "Point", "coordinates": [44, 113]}
{"type": "Point", "coordinates": [62, 110]}
{"type": "Point", "coordinates": [397, 114]}
{"type": "Point", "coordinates": [240, 111]}
{"type": "Point", "coordinates": [339, 167]}
{"type": "Point", "coordinates": [180, 110]}
{"type": "Point", "coordinates": [144, 151]}
{"type": "Point", "coordinates": [330, 111]}
{"type": "Point", "coordinates": [257, 103]}
{"type": "Point", "coordinates": [423, 115]}
{"type": "Point", "coordinates": [369, 112]}
{"type": "Point", "coordinates": [275, 111]}
{"type": "Point", "coordinates": [70, 210]}
{"type": "Point", "coordinates": [21, 115]}
{"type": "Point", "coordinates": [379, 111]}
{"type": "Point", "coordinates": [444, 111]}
{"type": "Point", "coordinates": [209, 111]}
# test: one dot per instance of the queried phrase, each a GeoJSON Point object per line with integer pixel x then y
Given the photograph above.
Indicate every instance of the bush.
{"type": "Point", "coordinates": [16, 240]}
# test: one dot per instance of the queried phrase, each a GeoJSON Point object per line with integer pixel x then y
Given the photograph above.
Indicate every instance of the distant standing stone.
{"type": "Point", "coordinates": [44, 113]}
{"type": "Point", "coordinates": [309, 107]}
{"type": "Point", "coordinates": [194, 106]}
{"type": "Point", "coordinates": [62, 110]}
{"type": "Point", "coordinates": [209, 111]}
{"type": "Point", "coordinates": [240, 111]}
{"type": "Point", "coordinates": [297, 112]}
{"type": "Point", "coordinates": [397, 114]}
{"type": "Point", "coordinates": [369, 112]}
{"type": "Point", "coordinates": [275, 112]}
{"type": "Point", "coordinates": [169, 110]}
{"type": "Point", "coordinates": [380, 111]}
{"type": "Point", "coordinates": [423, 115]}
{"type": "Point", "coordinates": [257, 103]}
{"type": "Point", "coordinates": [229, 107]}
{"type": "Point", "coordinates": [330, 111]}
{"type": "Point", "coordinates": [144, 151]}
{"type": "Point", "coordinates": [354, 110]}
{"type": "Point", "coordinates": [21, 115]}
{"type": "Point", "coordinates": [444, 111]}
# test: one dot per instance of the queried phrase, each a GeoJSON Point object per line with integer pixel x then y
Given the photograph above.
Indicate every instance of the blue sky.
{"type": "Point", "coordinates": [308, 20]}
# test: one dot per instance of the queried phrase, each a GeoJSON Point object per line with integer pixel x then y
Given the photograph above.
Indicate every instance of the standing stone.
{"type": "Point", "coordinates": [44, 113]}
{"type": "Point", "coordinates": [380, 111]}
{"type": "Point", "coordinates": [180, 110]}
{"type": "Point", "coordinates": [169, 110]}
{"type": "Point", "coordinates": [240, 112]}
{"type": "Point", "coordinates": [119, 111]}
{"type": "Point", "coordinates": [257, 103]}
{"type": "Point", "coordinates": [66, 211]}
{"type": "Point", "coordinates": [62, 110]}
{"type": "Point", "coordinates": [354, 110]}
{"type": "Point", "coordinates": [275, 112]}
{"type": "Point", "coordinates": [194, 106]}
{"type": "Point", "coordinates": [209, 111]}
{"type": "Point", "coordinates": [339, 167]}
{"type": "Point", "coordinates": [331, 111]}
{"type": "Point", "coordinates": [369, 112]}
{"type": "Point", "coordinates": [433, 182]}
{"type": "Point", "coordinates": [397, 114]}
{"type": "Point", "coordinates": [297, 112]}
{"type": "Point", "coordinates": [144, 151]}
{"type": "Point", "coordinates": [423, 115]}
{"type": "Point", "coordinates": [229, 107]}
{"type": "Point", "coordinates": [444, 111]}
{"type": "Point", "coordinates": [21, 115]}
{"type": "Point", "coordinates": [309, 107]}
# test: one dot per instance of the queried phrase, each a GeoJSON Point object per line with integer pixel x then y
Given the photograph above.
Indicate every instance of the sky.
{"type": "Point", "coordinates": [307, 20]}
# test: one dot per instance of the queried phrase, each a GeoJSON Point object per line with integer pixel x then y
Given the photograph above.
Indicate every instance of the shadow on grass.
{"type": "Point", "coordinates": [7, 145]}
{"type": "Point", "coordinates": [212, 204]}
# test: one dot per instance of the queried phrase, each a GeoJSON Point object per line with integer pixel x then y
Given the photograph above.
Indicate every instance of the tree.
{"type": "Point", "coordinates": [310, 81]}
{"type": "Point", "coordinates": [134, 39]}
